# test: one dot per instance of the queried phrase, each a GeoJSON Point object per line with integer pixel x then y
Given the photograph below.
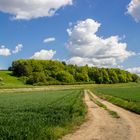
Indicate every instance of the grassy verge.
{"type": "Point", "coordinates": [129, 105]}
{"type": "Point", "coordinates": [40, 115]}
{"type": "Point", "coordinates": [112, 113]}
{"type": "Point", "coordinates": [123, 95]}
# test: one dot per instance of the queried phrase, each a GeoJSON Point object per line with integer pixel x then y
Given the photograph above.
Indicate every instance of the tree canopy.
{"type": "Point", "coordinates": [56, 72]}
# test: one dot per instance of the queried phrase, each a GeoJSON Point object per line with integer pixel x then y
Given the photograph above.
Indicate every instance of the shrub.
{"type": "Point", "coordinates": [64, 76]}
{"type": "Point", "coordinates": [36, 77]}
{"type": "Point", "coordinates": [23, 79]}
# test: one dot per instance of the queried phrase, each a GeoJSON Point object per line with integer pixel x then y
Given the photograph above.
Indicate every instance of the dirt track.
{"type": "Point", "coordinates": [101, 126]}
{"type": "Point", "coordinates": [45, 88]}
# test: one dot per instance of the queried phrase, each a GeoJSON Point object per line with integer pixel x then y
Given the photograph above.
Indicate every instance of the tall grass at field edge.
{"type": "Point", "coordinates": [131, 106]}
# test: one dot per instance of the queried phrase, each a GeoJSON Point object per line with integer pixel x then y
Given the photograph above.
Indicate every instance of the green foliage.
{"type": "Point", "coordinates": [36, 77]}
{"type": "Point", "coordinates": [113, 76]}
{"type": "Point", "coordinates": [21, 68]}
{"type": "Point", "coordinates": [81, 77]}
{"type": "Point", "coordinates": [40, 115]}
{"type": "Point", "coordinates": [64, 76]}
{"type": "Point", "coordinates": [135, 78]}
{"type": "Point", "coordinates": [124, 95]}
{"type": "Point", "coordinates": [55, 72]}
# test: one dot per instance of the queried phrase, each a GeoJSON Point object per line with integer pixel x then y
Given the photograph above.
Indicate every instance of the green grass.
{"type": "Point", "coordinates": [40, 115]}
{"type": "Point", "coordinates": [130, 92]}
{"type": "Point", "coordinates": [9, 80]}
{"type": "Point", "coordinates": [124, 95]}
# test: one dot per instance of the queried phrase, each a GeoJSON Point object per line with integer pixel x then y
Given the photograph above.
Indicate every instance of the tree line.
{"type": "Point", "coordinates": [48, 72]}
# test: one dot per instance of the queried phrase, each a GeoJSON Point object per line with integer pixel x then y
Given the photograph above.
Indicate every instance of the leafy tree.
{"type": "Point", "coordinates": [135, 78]}
{"type": "Point", "coordinates": [129, 77]}
{"type": "Point", "coordinates": [64, 76]}
{"type": "Point", "coordinates": [55, 72]}
{"type": "Point", "coordinates": [36, 77]}
{"type": "Point", "coordinates": [21, 68]}
{"type": "Point", "coordinates": [113, 76]}
{"type": "Point", "coordinates": [106, 78]}
{"type": "Point", "coordinates": [81, 77]}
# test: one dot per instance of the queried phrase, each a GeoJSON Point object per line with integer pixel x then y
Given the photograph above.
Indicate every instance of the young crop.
{"type": "Point", "coordinates": [40, 115]}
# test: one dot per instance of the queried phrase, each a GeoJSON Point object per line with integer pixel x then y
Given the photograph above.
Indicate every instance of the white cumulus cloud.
{"type": "Point", "coordinates": [86, 47]}
{"type": "Point", "coordinates": [4, 51]}
{"type": "Point", "coordinates": [44, 55]}
{"type": "Point", "coordinates": [18, 48]}
{"type": "Point", "coordinates": [29, 9]}
{"type": "Point", "coordinates": [135, 70]}
{"type": "Point", "coordinates": [50, 39]}
{"type": "Point", "coordinates": [134, 9]}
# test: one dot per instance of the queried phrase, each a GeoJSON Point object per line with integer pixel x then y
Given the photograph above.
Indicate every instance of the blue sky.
{"type": "Point", "coordinates": [23, 33]}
